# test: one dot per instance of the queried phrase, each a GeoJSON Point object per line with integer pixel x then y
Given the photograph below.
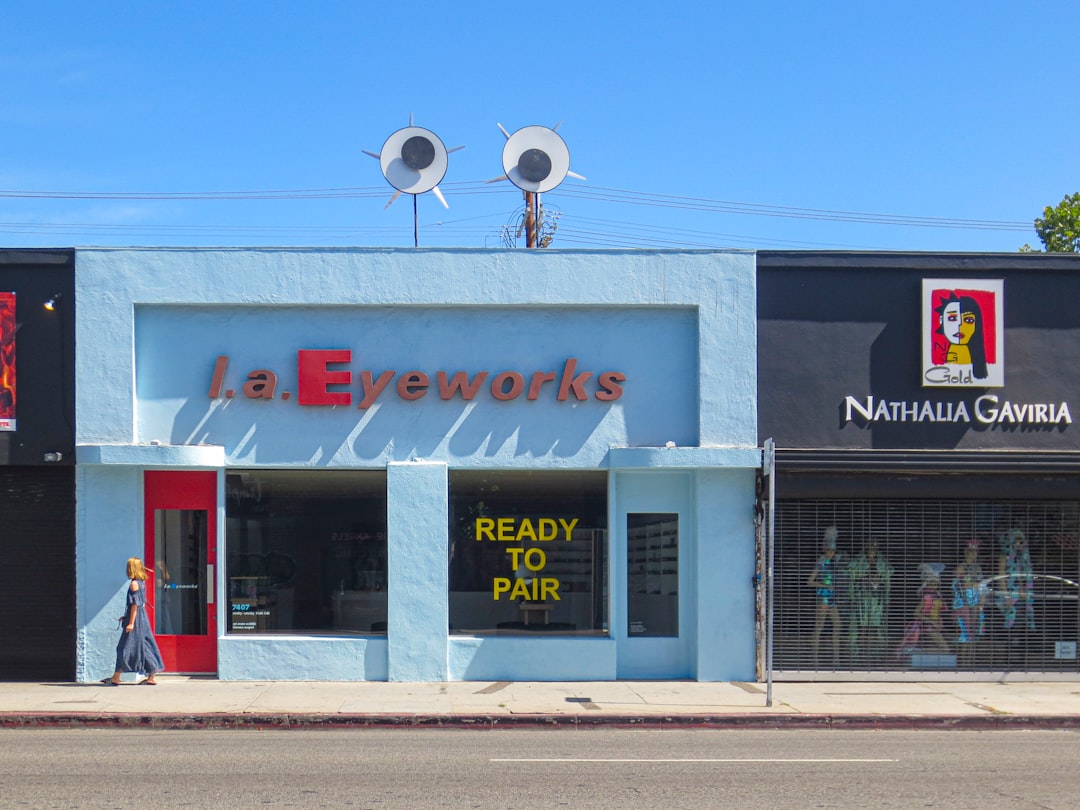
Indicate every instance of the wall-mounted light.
{"type": "Point", "coordinates": [54, 457]}
{"type": "Point", "coordinates": [52, 302]}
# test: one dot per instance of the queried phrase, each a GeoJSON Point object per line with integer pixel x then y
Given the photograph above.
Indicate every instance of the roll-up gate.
{"type": "Point", "coordinates": [926, 585]}
{"type": "Point", "coordinates": [37, 573]}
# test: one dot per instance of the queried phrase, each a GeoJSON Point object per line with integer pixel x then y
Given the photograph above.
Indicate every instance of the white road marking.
{"type": "Point", "coordinates": [534, 760]}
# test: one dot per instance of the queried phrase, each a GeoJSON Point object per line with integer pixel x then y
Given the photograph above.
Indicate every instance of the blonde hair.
{"type": "Point", "coordinates": [136, 569]}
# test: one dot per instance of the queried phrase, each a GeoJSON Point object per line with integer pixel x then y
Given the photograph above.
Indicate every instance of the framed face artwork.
{"type": "Point", "coordinates": [963, 333]}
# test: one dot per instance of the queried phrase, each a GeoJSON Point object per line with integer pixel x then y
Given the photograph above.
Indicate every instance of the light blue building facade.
{"type": "Point", "coordinates": [420, 465]}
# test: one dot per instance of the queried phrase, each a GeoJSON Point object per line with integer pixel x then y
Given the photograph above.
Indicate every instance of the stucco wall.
{"type": "Point", "coordinates": [108, 531]}
{"type": "Point", "coordinates": [679, 326]}
{"type": "Point", "coordinates": [214, 291]}
{"type": "Point", "coordinates": [176, 348]}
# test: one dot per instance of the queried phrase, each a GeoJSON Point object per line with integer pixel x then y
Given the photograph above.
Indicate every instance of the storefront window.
{"type": "Point", "coordinates": [180, 572]}
{"type": "Point", "coordinates": [528, 552]}
{"type": "Point", "coordinates": [306, 551]}
{"type": "Point", "coordinates": [652, 550]}
{"type": "Point", "coordinates": [943, 585]}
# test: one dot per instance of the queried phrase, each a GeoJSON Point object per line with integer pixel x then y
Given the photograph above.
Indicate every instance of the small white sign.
{"type": "Point", "coordinates": [1065, 650]}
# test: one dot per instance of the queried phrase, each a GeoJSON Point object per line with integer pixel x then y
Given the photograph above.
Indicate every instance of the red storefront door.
{"type": "Point", "coordinates": [181, 538]}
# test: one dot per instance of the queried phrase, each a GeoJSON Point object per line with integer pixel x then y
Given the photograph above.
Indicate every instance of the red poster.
{"type": "Point", "coordinates": [7, 361]}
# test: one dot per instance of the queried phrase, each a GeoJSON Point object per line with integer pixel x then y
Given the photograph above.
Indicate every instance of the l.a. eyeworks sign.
{"type": "Point", "coordinates": [324, 378]}
{"type": "Point", "coordinates": [7, 361]}
{"type": "Point", "coordinates": [963, 333]}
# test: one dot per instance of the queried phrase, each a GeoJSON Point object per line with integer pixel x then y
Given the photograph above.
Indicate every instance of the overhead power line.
{"type": "Point", "coordinates": [566, 190]}
{"type": "Point", "coordinates": [273, 194]}
{"type": "Point", "coordinates": [760, 209]}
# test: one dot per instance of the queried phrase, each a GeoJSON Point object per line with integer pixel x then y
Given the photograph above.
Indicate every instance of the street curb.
{"type": "Point", "coordinates": [311, 721]}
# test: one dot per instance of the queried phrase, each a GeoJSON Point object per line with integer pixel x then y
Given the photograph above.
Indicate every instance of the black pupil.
{"type": "Point", "coordinates": [534, 165]}
{"type": "Point", "coordinates": [418, 153]}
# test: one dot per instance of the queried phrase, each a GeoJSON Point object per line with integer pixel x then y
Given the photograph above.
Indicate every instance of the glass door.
{"type": "Point", "coordinates": [181, 510]}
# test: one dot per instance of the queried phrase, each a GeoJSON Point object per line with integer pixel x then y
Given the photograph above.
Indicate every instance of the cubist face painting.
{"type": "Point", "coordinates": [957, 325]}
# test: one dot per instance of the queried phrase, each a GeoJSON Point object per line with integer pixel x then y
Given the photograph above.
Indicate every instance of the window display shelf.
{"type": "Point", "coordinates": [652, 554]}
{"type": "Point", "coordinates": [652, 546]}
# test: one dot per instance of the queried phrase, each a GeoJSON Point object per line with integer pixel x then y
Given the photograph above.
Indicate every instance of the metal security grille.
{"type": "Point", "coordinates": [915, 585]}
{"type": "Point", "coordinates": [37, 579]}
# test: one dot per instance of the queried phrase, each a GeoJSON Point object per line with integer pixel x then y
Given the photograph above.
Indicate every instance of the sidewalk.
{"type": "Point", "coordinates": [196, 702]}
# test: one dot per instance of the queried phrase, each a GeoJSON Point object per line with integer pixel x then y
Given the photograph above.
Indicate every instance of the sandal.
{"type": "Point", "coordinates": [148, 682]}
{"type": "Point", "coordinates": [108, 682]}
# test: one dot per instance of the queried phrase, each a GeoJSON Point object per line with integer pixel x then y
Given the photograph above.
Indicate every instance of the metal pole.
{"type": "Point", "coordinates": [770, 545]}
{"type": "Point", "coordinates": [536, 220]}
{"type": "Point", "coordinates": [530, 220]}
{"type": "Point", "coordinates": [415, 224]}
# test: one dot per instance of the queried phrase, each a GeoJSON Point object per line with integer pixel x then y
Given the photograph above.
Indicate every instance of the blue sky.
{"type": "Point", "coordinates": [770, 125]}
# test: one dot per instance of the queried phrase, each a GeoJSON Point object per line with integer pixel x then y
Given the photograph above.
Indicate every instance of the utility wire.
{"type": "Point", "coordinates": [569, 190]}
{"type": "Point", "coordinates": [573, 230]}
{"type": "Point", "coordinates": [757, 209]}
{"type": "Point", "coordinates": [283, 194]}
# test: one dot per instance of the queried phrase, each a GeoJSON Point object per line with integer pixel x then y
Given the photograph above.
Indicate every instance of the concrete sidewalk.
{"type": "Point", "coordinates": [195, 702]}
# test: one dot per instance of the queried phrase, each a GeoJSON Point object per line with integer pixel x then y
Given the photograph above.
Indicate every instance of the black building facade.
{"type": "Point", "coordinates": [37, 472]}
{"type": "Point", "coordinates": [922, 406]}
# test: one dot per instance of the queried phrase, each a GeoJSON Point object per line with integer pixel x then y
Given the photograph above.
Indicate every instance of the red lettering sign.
{"type": "Point", "coordinates": [313, 378]}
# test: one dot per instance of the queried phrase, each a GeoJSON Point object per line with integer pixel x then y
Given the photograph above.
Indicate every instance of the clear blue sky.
{"type": "Point", "coordinates": [700, 124]}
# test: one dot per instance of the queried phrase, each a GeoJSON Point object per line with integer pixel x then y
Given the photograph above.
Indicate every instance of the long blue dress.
{"type": "Point", "coordinates": [138, 651]}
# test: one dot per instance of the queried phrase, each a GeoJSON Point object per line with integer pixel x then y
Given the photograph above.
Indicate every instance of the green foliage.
{"type": "Point", "coordinates": [1059, 227]}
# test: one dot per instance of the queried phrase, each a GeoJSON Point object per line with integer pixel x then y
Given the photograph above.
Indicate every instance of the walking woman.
{"type": "Point", "coordinates": [137, 651]}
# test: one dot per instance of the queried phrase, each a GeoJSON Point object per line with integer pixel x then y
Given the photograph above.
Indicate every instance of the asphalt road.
{"type": "Point", "coordinates": [537, 768]}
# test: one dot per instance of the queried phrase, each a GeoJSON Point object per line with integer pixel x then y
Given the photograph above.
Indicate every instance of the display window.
{"type": "Point", "coordinates": [895, 584]}
{"type": "Point", "coordinates": [306, 551]}
{"type": "Point", "coordinates": [528, 552]}
{"type": "Point", "coordinates": [652, 546]}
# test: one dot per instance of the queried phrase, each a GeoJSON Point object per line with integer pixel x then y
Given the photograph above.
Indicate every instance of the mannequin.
{"type": "Point", "coordinates": [927, 622]}
{"type": "Point", "coordinates": [823, 579]}
{"type": "Point", "coordinates": [1015, 565]}
{"type": "Point", "coordinates": [870, 578]}
{"type": "Point", "coordinates": [969, 598]}
{"type": "Point", "coordinates": [929, 612]}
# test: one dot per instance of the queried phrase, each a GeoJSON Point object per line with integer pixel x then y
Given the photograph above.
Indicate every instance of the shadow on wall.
{"type": "Point", "coordinates": [396, 433]}
{"type": "Point", "coordinates": [894, 374]}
